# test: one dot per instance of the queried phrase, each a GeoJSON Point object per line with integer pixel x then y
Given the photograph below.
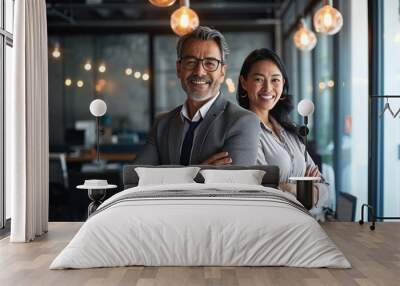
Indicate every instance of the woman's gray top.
{"type": "Point", "coordinates": [286, 152]}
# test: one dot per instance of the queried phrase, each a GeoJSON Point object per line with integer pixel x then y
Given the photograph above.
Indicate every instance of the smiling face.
{"type": "Point", "coordinates": [198, 83]}
{"type": "Point", "coordinates": [264, 85]}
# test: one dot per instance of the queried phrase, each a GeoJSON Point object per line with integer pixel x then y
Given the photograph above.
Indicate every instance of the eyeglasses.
{"type": "Point", "coordinates": [209, 64]}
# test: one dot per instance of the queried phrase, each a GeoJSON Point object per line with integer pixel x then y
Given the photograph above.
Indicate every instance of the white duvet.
{"type": "Point", "coordinates": [183, 231]}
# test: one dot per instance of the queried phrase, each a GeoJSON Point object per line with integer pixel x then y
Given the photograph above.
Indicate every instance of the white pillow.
{"type": "Point", "coordinates": [164, 176]}
{"type": "Point", "coordinates": [248, 177]}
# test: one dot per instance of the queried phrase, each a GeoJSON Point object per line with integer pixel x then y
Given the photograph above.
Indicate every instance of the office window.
{"type": "Point", "coordinates": [8, 87]}
{"type": "Point", "coordinates": [169, 93]}
{"type": "Point", "coordinates": [6, 63]}
{"type": "Point", "coordinates": [114, 68]}
{"type": "Point", "coordinates": [9, 15]}
{"type": "Point", "coordinates": [324, 84]}
{"type": "Point", "coordinates": [351, 95]}
{"type": "Point", "coordinates": [391, 148]}
{"type": "Point", "coordinates": [336, 79]}
{"type": "Point", "coordinates": [2, 137]}
{"type": "Point", "coordinates": [291, 54]}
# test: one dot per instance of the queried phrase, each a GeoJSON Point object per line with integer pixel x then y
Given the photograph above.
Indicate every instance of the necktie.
{"type": "Point", "coordinates": [188, 142]}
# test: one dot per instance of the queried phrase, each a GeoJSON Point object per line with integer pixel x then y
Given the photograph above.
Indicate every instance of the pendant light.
{"type": "Point", "coordinates": [162, 3]}
{"type": "Point", "coordinates": [184, 20]}
{"type": "Point", "coordinates": [328, 20]}
{"type": "Point", "coordinates": [303, 38]}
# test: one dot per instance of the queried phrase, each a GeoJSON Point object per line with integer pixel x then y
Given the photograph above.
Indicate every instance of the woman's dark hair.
{"type": "Point", "coordinates": [281, 110]}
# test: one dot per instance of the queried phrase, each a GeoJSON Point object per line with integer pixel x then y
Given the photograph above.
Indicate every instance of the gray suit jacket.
{"type": "Point", "coordinates": [226, 127]}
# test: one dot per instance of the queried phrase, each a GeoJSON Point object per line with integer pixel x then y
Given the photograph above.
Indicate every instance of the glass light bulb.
{"type": "Point", "coordinates": [162, 3]}
{"type": "Point", "coordinates": [304, 39]}
{"type": "Point", "coordinates": [56, 53]}
{"type": "Point", "coordinates": [145, 76]}
{"type": "Point", "coordinates": [87, 66]}
{"type": "Point", "coordinates": [102, 68]}
{"type": "Point", "coordinates": [328, 20]}
{"type": "Point", "coordinates": [184, 20]}
{"type": "Point", "coordinates": [128, 71]}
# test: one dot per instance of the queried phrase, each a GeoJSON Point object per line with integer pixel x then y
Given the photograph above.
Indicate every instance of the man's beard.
{"type": "Point", "coordinates": [198, 97]}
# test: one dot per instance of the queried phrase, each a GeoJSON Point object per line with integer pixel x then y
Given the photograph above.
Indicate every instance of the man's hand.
{"type": "Point", "coordinates": [218, 159]}
{"type": "Point", "coordinates": [312, 171]}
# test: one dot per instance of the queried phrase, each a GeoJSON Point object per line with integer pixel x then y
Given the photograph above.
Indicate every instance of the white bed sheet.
{"type": "Point", "coordinates": [200, 231]}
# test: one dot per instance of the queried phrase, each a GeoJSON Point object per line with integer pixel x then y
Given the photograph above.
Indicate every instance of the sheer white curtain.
{"type": "Point", "coordinates": [27, 124]}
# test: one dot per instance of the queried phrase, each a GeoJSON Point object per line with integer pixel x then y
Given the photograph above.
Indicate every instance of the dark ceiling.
{"type": "Point", "coordinates": [97, 15]}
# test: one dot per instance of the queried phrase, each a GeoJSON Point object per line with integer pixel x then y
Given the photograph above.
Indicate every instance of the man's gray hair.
{"type": "Point", "coordinates": [204, 33]}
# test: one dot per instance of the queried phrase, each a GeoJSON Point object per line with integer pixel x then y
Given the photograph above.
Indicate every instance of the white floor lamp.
{"type": "Point", "coordinates": [96, 188]}
{"type": "Point", "coordinates": [98, 108]}
{"type": "Point", "coordinates": [305, 185]}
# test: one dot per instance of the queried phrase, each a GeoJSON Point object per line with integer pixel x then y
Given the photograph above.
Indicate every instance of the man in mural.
{"type": "Point", "coordinates": [206, 129]}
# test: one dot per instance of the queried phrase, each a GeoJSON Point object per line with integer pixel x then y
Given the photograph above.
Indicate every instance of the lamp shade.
{"type": "Point", "coordinates": [184, 20]}
{"type": "Point", "coordinates": [305, 107]}
{"type": "Point", "coordinates": [162, 3]}
{"type": "Point", "coordinates": [98, 107]}
{"type": "Point", "coordinates": [328, 20]}
{"type": "Point", "coordinates": [304, 39]}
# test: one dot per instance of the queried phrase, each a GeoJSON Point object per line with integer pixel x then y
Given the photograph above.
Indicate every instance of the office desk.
{"type": "Point", "coordinates": [88, 157]}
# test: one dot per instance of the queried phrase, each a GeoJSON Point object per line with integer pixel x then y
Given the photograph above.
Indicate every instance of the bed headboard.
{"type": "Point", "coordinates": [270, 179]}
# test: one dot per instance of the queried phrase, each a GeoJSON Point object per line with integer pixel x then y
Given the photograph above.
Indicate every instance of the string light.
{"type": "Point", "coordinates": [68, 82]}
{"type": "Point", "coordinates": [162, 3]}
{"type": "Point", "coordinates": [102, 68]}
{"type": "Point", "coordinates": [303, 38]}
{"type": "Point", "coordinates": [331, 83]}
{"type": "Point", "coordinates": [184, 20]}
{"type": "Point", "coordinates": [137, 74]}
{"type": "Point", "coordinates": [128, 71]}
{"type": "Point", "coordinates": [79, 83]}
{"type": "Point", "coordinates": [87, 66]}
{"type": "Point", "coordinates": [56, 53]}
{"type": "Point", "coordinates": [145, 76]}
{"type": "Point", "coordinates": [328, 20]}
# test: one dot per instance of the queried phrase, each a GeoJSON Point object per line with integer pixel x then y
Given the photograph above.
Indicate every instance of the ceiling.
{"type": "Point", "coordinates": [122, 15]}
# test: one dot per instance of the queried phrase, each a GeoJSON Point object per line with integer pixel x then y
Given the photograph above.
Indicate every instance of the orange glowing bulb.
{"type": "Point", "coordinates": [162, 3]}
{"type": "Point", "coordinates": [304, 39]}
{"type": "Point", "coordinates": [328, 20]}
{"type": "Point", "coordinates": [184, 20]}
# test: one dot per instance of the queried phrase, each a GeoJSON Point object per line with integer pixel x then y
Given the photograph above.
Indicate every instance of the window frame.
{"type": "Point", "coordinates": [6, 39]}
{"type": "Point", "coordinates": [376, 127]}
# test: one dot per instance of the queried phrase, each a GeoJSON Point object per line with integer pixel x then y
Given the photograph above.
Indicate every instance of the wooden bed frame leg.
{"type": "Point", "coordinates": [372, 213]}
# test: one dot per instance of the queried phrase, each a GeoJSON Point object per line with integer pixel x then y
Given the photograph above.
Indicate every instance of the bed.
{"type": "Point", "coordinates": [201, 224]}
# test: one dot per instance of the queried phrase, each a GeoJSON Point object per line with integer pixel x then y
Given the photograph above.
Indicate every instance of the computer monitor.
{"type": "Point", "coordinates": [89, 127]}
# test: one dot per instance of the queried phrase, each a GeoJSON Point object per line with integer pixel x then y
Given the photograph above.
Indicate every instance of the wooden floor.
{"type": "Point", "coordinates": [374, 255]}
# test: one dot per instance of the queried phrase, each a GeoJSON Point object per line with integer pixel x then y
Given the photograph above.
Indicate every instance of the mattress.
{"type": "Point", "coordinates": [201, 225]}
